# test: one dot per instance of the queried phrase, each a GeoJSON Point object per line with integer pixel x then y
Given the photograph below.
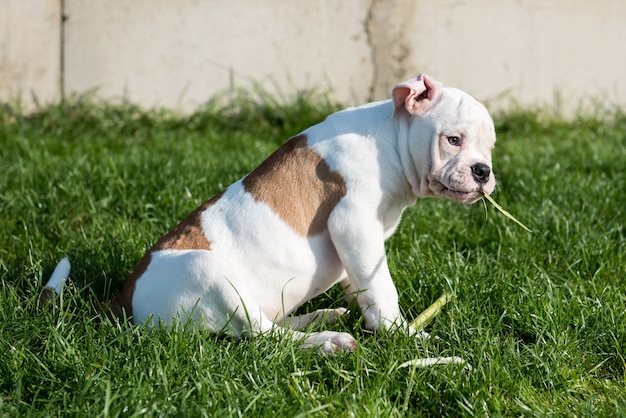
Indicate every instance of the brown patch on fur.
{"type": "Point", "coordinates": [298, 185]}
{"type": "Point", "coordinates": [122, 303]}
{"type": "Point", "coordinates": [187, 235]}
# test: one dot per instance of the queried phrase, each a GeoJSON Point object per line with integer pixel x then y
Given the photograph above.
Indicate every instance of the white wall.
{"type": "Point", "coordinates": [554, 53]}
{"type": "Point", "coordinates": [30, 45]}
{"type": "Point", "coordinates": [561, 53]}
{"type": "Point", "coordinates": [180, 53]}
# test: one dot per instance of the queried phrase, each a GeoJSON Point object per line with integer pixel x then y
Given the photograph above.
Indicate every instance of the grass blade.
{"type": "Point", "coordinates": [434, 361]}
{"type": "Point", "coordinates": [429, 313]}
{"type": "Point", "coordinates": [504, 212]}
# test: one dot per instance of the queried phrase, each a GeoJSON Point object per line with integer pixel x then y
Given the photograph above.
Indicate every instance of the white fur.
{"type": "Point", "coordinates": [59, 275]}
{"type": "Point", "coordinates": [259, 270]}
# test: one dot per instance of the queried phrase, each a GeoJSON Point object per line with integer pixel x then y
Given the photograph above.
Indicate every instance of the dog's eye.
{"type": "Point", "coordinates": [454, 140]}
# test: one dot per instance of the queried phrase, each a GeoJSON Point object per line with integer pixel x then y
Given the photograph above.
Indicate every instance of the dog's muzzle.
{"type": "Point", "coordinates": [481, 173]}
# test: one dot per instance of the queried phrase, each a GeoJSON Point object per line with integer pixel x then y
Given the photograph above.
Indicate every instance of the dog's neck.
{"type": "Point", "coordinates": [409, 166]}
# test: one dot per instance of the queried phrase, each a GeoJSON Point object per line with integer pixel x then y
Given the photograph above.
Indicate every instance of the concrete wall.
{"type": "Point", "coordinates": [30, 51]}
{"type": "Point", "coordinates": [178, 54]}
{"type": "Point", "coordinates": [562, 53]}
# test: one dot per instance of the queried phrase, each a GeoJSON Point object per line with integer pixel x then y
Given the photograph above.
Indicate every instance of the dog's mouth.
{"type": "Point", "coordinates": [455, 193]}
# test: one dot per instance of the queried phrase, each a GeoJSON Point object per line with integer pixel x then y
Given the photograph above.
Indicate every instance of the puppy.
{"type": "Point", "coordinates": [314, 214]}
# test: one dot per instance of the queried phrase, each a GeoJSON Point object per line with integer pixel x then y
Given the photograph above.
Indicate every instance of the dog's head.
{"type": "Point", "coordinates": [450, 136]}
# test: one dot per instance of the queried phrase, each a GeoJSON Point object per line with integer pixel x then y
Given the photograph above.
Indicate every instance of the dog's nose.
{"type": "Point", "coordinates": [481, 172]}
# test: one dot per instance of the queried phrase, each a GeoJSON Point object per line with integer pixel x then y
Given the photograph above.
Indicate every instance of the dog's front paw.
{"type": "Point", "coordinates": [330, 342]}
{"type": "Point", "coordinates": [374, 321]}
{"type": "Point", "coordinates": [395, 324]}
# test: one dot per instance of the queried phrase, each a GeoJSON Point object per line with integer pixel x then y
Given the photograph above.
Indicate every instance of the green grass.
{"type": "Point", "coordinates": [540, 317]}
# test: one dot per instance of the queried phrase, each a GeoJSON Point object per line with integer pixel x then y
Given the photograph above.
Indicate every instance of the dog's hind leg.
{"type": "Point", "coordinates": [329, 341]}
{"type": "Point", "coordinates": [325, 341]}
{"type": "Point", "coordinates": [320, 316]}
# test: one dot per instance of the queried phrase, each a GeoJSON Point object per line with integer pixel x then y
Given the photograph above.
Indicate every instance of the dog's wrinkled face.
{"type": "Point", "coordinates": [462, 138]}
{"type": "Point", "coordinates": [451, 136]}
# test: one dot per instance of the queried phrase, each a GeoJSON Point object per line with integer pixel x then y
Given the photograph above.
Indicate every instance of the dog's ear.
{"type": "Point", "coordinates": [417, 95]}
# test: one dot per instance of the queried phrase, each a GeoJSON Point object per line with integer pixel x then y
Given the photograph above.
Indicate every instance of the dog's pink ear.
{"type": "Point", "coordinates": [417, 95]}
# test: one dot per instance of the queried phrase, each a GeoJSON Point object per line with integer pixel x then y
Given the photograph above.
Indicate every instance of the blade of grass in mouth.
{"type": "Point", "coordinates": [504, 212]}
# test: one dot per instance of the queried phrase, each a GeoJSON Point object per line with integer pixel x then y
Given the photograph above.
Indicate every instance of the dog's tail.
{"type": "Point", "coordinates": [54, 286]}
{"type": "Point", "coordinates": [55, 283]}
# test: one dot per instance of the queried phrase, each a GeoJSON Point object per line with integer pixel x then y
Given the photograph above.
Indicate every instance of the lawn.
{"type": "Point", "coordinates": [538, 316]}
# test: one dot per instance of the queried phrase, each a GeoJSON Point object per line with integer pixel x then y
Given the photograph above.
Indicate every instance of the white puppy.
{"type": "Point", "coordinates": [316, 213]}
